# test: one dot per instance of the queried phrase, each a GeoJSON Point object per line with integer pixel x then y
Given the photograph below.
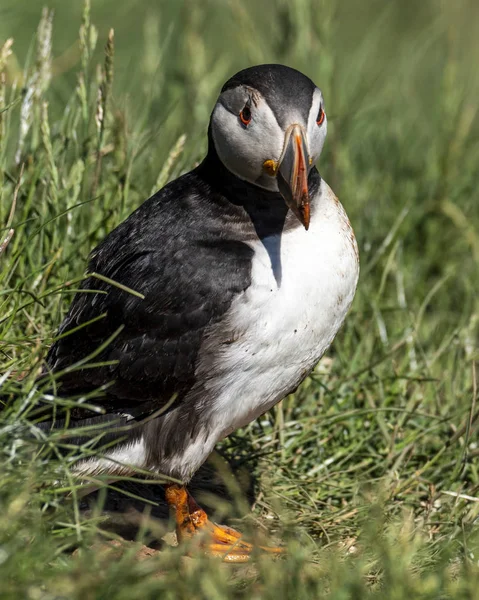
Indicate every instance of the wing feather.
{"type": "Point", "coordinates": [175, 252]}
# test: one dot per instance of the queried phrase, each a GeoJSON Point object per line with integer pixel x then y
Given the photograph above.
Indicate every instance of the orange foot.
{"type": "Point", "coordinates": [221, 541]}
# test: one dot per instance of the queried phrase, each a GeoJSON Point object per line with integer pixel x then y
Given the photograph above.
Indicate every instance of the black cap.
{"type": "Point", "coordinates": [282, 87]}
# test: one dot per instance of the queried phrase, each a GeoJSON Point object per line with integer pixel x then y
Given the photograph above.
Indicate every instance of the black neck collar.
{"type": "Point", "coordinates": [267, 209]}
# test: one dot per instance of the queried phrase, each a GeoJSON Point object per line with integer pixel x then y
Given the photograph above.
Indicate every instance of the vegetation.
{"type": "Point", "coordinates": [369, 473]}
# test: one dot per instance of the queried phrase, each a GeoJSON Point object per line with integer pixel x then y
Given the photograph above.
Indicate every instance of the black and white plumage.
{"type": "Point", "coordinates": [240, 300]}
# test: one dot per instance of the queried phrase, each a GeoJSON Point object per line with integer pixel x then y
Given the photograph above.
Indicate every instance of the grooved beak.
{"type": "Point", "coordinates": [292, 174]}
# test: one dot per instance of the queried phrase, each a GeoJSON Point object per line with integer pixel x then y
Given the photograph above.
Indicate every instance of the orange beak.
{"type": "Point", "coordinates": [292, 174]}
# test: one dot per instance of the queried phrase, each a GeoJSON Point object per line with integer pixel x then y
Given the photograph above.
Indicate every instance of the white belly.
{"type": "Point", "coordinates": [302, 287]}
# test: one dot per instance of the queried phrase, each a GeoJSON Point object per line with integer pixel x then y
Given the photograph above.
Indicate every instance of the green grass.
{"type": "Point", "coordinates": [370, 472]}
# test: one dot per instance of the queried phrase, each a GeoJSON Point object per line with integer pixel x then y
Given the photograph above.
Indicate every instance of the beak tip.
{"type": "Point", "coordinates": [306, 215]}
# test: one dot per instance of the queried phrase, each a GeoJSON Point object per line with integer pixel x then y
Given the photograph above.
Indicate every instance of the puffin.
{"type": "Point", "coordinates": [214, 299]}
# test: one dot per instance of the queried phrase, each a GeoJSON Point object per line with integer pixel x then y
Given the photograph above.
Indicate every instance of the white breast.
{"type": "Point", "coordinates": [303, 283]}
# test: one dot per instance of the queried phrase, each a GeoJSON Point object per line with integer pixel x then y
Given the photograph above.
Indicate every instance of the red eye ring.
{"type": "Point", "coordinates": [245, 116]}
{"type": "Point", "coordinates": [321, 115]}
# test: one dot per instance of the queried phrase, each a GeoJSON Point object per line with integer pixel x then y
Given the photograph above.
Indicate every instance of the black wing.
{"type": "Point", "coordinates": [174, 250]}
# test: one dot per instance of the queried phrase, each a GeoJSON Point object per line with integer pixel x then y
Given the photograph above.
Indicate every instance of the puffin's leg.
{"type": "Point", "coordinates": [191, 519]}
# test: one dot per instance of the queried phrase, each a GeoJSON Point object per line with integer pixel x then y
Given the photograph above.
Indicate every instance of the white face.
{"type": "Point", "coordinates": [244, 147]}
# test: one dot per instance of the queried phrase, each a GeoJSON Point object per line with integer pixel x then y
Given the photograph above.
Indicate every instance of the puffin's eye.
{"type": "Point", "coordinates": [321, 115]}
{"type": "Point", "coordinates": [245, 116]}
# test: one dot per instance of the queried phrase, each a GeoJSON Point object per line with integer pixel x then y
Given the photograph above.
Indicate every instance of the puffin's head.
{"type": "Point", "coordinates": [268, 128]}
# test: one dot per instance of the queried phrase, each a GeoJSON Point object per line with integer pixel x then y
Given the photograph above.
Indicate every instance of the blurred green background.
{"type": "Point", "coordinates": [374, 58]}
{"type": "Point", "coordinates": [378, 449]}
